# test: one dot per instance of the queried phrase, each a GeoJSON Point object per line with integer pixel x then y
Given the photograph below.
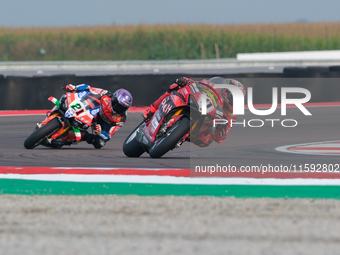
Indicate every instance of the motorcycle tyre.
{"type": "Point", "coordinates": [169, 142]}
{"type": "Point", "coordinates": [40, 134]}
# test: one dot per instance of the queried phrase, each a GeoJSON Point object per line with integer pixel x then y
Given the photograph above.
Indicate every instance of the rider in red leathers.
{"type": "Point", "coordinates": [207, 133]}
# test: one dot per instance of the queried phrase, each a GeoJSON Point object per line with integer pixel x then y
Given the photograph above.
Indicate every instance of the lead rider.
{"type": "Point", "coordinates": [112, 115]}
{"type": "Point", "coordinates": [207, 133]}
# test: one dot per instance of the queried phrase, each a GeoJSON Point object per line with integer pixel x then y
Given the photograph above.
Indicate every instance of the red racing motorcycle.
{"type": "Point", "coordinates": [176, 120]}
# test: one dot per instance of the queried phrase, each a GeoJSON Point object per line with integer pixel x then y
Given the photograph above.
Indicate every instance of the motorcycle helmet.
{"type": "Point", "coordinates": [225, 94]}
{"type": "Point", "coordinates": [121, 101]}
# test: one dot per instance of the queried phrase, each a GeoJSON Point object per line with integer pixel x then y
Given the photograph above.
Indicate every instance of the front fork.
{"type": "Point", "coordinates": [60, 132]}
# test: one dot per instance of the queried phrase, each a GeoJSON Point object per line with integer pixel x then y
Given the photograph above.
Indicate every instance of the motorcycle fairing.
{"type": "Point", "coordinates": [81, 108]}
{"type": "Point", "coordinates": [168, 104]}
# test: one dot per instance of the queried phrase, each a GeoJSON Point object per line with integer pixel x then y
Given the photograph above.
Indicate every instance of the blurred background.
{"type": "Point", "coordinates": [39, 30]}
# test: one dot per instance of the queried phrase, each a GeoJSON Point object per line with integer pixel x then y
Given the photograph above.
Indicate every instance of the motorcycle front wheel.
{"type": "Point", "coordinates": [40, 135]}
{"type": "Point", "coordinates": [131, 146]}
{"type": "Point", "coordinates": [170, 139]}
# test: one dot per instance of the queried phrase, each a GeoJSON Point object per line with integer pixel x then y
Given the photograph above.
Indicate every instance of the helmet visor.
{"type": "Point", "coordinates": [118, 108]}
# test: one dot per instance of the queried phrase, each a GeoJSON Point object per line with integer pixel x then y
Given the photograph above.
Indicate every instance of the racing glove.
{"type": "Point", "coordinates": [97, 129]}
{"type": "Point", "coordinates": [70, 88]}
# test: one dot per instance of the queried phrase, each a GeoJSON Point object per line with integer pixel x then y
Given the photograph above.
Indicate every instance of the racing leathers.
{"type": "Point", "coordinates": [208, 133]}
{"type": "Point", "coordinates": [107, 122]}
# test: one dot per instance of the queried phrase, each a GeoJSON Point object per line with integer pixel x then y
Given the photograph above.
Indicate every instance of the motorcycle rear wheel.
{"type": "Point", "coordinates": [38, 136]}
{"type": "Point", "coordinates": [172, 137]}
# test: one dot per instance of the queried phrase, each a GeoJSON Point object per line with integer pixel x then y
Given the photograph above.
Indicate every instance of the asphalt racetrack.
{"type": "Point", "coordinates": [243, 146]}
{"type": "Point", "coordinates": [169, 225]}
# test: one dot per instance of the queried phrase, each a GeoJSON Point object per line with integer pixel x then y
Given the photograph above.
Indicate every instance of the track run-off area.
{"type": "Point", "coordinates": [82, 170]}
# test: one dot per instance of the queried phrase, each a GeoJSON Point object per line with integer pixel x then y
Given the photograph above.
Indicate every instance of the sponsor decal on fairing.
{"type": "Point", "coordinates": [95, 111]}
{"type": "Point", "coordinates": [82, 94]}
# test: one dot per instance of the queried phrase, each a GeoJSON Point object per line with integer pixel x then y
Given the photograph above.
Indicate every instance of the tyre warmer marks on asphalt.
{"type": "Point", "coordinates": [118, 181]}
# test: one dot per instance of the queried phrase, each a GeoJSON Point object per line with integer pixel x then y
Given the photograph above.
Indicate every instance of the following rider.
{"type": "Point", "coordinates": [112, 114]}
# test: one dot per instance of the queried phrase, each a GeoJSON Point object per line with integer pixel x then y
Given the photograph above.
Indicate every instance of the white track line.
{"type": "Point", "coordinates": [169, 179]}
{"type": "Point", "coordinates": [309, 152]}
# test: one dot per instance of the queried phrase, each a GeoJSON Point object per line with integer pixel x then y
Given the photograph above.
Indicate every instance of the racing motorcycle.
{"type": "Point", "coordinates": [176, 120]}
{"type": "Point", "coordinates": [67, 122]}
